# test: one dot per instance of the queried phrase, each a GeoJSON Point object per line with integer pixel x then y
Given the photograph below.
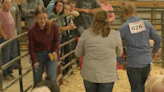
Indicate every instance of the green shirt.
{"type": "Point", "coordinates": [58, 22]}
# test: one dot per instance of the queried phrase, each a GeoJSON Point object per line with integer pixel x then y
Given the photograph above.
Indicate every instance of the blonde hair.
{"type": "Point", "coordinates": [65, 5]}
{"type": "Point", "coordinates": [43, 10]}
{"type": "Point", "coordinates": [101, 21]}
{"type": "Point", "coordinates": [129, 8]}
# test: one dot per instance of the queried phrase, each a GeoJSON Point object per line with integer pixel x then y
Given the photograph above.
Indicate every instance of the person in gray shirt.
{"type": "Point", "coordinates": [86, 8]}
{"type": "Point", "coordinates": [28, 9]}
{"type": "Point", "coordinates": [100, 46]}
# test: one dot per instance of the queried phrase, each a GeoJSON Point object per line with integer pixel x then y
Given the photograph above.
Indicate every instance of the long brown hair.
{"type": "Point", "coordinates": [43, 10]}
{"type": "Point", "coordinates": [101, 21]}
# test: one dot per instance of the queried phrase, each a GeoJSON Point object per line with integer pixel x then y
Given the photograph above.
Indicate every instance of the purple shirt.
{"type": "Point", "coordinates": [40, 41]}
{"type": "Point", "coordinates": [7, 23]}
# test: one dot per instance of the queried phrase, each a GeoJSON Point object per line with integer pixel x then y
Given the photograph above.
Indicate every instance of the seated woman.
{"type": "Point", "coordinates": [43, 37]}
{"type": "Point", "coordinates": [107, 7]}
{"type": "Point", "coordinates": [100, 47]}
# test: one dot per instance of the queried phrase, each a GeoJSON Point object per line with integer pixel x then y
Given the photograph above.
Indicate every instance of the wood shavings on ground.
{"type": "Point", "coordinates": [74, 83]}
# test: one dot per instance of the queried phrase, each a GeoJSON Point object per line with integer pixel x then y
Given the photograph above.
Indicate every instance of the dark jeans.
{"type": "Point", "coordinates": [137, 78]}
{"type": "Point", "coordinates": [51, 67]}
{"type": "Point", "coordinates": [9, 52]}
{"type": "Point", "coordinates": [98, 87]}
{"type": "Point", "coordinates": [64, 50]}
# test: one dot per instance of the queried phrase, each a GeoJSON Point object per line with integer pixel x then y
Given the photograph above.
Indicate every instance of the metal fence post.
{"type": "Point", "coordinates": [1, 72]}
{"type": "Point", "coordinates": [19, 67]}
{"type": "Point", "coordinates": [162, 34]}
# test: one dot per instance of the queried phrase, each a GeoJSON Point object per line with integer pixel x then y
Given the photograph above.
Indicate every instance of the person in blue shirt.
{"type": "Point", "coordinates": [50, 6]}
{"type": "Point", "coordinates": [136, 32]}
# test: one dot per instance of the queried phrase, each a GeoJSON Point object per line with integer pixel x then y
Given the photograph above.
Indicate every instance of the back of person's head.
{"type": "Point", "coordinates": [55, 4]}
{"type": "Point", "coordinates": [129, 8]}
{"type": "Point", "coordinates": [101, 22]}
{"type": "Point", "coordinates": [46, 86]}
{"type": "Point", "coordinates": [71, 1]}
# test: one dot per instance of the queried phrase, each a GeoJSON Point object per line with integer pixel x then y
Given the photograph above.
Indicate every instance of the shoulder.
{"type": "Point", "coordinates": [32, 28]}
{"type": "Point", "coordinates": [123, 26]}
{"type": "Point", "coordinates": [1, 13]}
{"type": "Point", "coordinates": [52, 15]}
{"type": "Point", "coordinates": [87, 32]}
{"type": "Point", "coordinates": [147, 23]}
{"type": "Point", "coordinates": [54, 24]}
{"type": "Point", "coordinates": [115, 32]}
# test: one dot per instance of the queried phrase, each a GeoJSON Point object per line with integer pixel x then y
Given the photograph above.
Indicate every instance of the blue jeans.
{"type": "Point", "coordinates": [9, 52]}
{"type": "Point", "coordinates": [51, 66]}
{"type": "Point", "coordinates": [98, 87]}
{"type": "Point", "coordinates": [137, 78]}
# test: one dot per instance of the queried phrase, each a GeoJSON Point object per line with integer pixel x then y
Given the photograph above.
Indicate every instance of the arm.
{"type": "Point", "coordinates": [156, 37]}
{"type": "Point", "coordinates": [67, 28]}
{"type": "Point", "coordinates": [56, 39]}
{"type": "Point", "coordinates": [40, 4]}
{"type": "Point", "coordinates": [82, 10]}
{"type": "Point", "coordinates": [122, 34]}
{"type": "Point", "coordinates": [24, 10]}
{"type": "Point", "coordinates": [111, 15]}
{"type": "Point", "coordinates": [119, 49]}
{"type": "Point", "coordinates": [92, 11]}
{"type": "Point", "coordinates": [1, 30]}
{"type": "Point", "coordinates": [2, 33]}
{"type": "Point", "coordinates": [96, 7]}
{"type": "Point", "coordinates": [31, 46]}
{"type": "Point", "coordinates": [18, 21]}
{"type": "Point", "coordinates": [79, 50]}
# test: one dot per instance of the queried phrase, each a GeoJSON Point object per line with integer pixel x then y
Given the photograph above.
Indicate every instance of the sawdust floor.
{"type": "Point", "coordinates": [74, 83]}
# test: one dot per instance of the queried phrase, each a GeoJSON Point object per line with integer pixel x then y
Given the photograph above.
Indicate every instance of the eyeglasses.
{"type": "Point", "coordinates": [59, 5]}
{"type": "Point", "coordinates": [7, 4]}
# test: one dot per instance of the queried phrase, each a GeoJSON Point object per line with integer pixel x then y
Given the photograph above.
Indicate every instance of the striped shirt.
{"type": "Point", "coordinates": [137, 44]}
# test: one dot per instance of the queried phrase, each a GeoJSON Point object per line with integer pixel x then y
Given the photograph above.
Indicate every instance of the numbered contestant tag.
{"type": "Point", "coordinates": [137, 27]}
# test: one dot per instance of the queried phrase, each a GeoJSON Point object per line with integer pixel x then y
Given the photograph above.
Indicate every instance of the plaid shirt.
{"type": "Point", "coordinates": [137, 44]}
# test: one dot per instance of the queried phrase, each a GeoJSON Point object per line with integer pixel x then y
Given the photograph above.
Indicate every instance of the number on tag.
{"type": "Point", "coordinates": [137, 27]}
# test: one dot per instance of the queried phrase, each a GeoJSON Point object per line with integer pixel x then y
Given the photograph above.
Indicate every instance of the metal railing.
{"type": "Point", "coordinates": [18, 58]}
{"type": "Point", "coordinates": [60, 76]}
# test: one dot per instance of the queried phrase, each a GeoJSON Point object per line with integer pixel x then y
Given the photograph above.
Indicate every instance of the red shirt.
{"type": "Point", "coordinates": [40, 41]}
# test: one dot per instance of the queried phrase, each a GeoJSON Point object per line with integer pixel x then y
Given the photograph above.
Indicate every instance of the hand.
{"type": "Point", "coordinates": [92, 11]}
{"type": "Point", "coordinates": [5, 38]}
{"type": "Point", "coordinates": [71, 16]}
{"type": "Point", "coordinates": [54, 55]}
{"type": "Point", "coordinates": [28, 10]}
{"type": "Point", "coordinates": [39, 6]}
{"type": "Point", "coordinates": [153, 55]}
{"type": "Point", "coordinates": [36, 65]}
{"type": "Point", "coordinates": [72, 27]}
{"type": "Point", "coordinates": [123, 66]}
{"type": "Point", "coordinates": [86, 11]}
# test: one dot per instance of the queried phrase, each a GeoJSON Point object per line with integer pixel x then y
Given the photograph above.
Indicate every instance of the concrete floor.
{"type": "Point", "coordinates": [27, 80]}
